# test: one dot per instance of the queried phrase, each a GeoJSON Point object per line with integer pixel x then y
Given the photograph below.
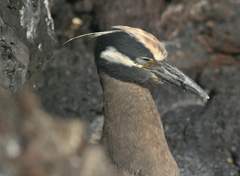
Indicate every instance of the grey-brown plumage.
{"type": "Point", "coordinates": [133, 134]}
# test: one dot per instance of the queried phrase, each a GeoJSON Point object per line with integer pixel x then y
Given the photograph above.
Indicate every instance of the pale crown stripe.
{"type": "Point", "coordinates": [111, 54]}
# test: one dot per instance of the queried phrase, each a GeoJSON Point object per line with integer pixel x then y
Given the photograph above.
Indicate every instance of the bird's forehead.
{"type": "Point", "coordinates": [124, 44]}
{"type": "Point", "coordinates": [148, 40]}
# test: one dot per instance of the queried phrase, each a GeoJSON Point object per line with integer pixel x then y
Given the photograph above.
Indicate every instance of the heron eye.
{"type": "Point", "coordinates": [146, 58]}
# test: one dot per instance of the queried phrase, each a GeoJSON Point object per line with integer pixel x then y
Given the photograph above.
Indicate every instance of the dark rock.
{"type": "Point", "coordinates": [26, 38]}
{"type": "Point", "coordinates": [61, 20]}
{"type": "Point", "coordinates": [33, 142]}
{"type": "Point", "coordinates": [145, 14]}
{"type": "Point", "coordinates": [14, 59]}
{"type": "Point", "coordinates": [203, 138]}
{"type": "Point", "coordinates": [196, 28]}
{"type": "Point", "coordinates": [222, 24]}
{"type": "Point", "coordinates": [71, 85]}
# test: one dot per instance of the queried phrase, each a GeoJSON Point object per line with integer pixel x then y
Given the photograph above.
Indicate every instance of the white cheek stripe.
{"type": "Point", "coordinates": [112, 55]}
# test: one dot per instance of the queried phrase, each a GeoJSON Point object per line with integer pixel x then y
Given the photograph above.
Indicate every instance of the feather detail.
{"type": "Point", "coordinates": [148, 40]}
{"type": "Point", "coordinates": [93, 34]}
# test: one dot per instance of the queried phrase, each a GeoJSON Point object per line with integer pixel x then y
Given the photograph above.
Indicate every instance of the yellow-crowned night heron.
{"type": "Point", "coordinates": [128, 59]}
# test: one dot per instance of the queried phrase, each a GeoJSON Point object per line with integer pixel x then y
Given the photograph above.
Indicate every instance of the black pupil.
{"type": "Point", "coordinates": [146, 59]}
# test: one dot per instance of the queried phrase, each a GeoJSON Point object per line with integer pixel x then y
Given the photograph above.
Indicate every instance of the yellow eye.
{"type": "Point", "coordinates": [149, 63]}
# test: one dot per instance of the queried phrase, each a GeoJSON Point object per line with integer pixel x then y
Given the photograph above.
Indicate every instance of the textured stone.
{"type": "Point", "coordinates": [70, 85]}
{"type": "Point", "coordinates": [33, 142]}
{"type": "Point", "coordinates": [205, 139]}
{"type": "Point", "coordinates": [145, 14]}
{"type": "Point", "coordinates": [26, 38]}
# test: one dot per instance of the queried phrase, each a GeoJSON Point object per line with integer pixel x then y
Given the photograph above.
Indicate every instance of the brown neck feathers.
{"type": "Point", "coordinates": [133, 132]}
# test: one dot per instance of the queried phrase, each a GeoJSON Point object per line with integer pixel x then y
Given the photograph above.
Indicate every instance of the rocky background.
{"type": "Point", "coordinates": [54, 138]}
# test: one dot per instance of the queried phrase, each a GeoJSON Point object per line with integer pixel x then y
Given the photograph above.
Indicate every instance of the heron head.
{"type": "Point", "coordinates": [132, 54]}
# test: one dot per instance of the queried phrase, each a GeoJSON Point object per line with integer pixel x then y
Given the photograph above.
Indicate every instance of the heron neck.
{"type": "Point", "coordinates": [133, 132]}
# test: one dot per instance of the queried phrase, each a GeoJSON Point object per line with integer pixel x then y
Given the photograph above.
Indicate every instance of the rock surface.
{"type": "Point", "coordinates": [35, 143]}
{"type": "Point", "coordinates": [207, 138]}
{"type": "Point", "coordinates": [26, 40]}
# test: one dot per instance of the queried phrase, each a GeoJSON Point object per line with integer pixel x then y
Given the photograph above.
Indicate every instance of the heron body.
{"type": "Point", "coordinates": [128, 60]}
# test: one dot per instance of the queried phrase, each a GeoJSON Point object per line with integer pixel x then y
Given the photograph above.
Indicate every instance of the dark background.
{"type": "Point", "coordinates": [202, 38]}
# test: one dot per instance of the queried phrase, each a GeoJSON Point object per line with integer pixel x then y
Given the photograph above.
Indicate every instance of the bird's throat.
{"type": "Point", "coordinates": [133, 134]}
